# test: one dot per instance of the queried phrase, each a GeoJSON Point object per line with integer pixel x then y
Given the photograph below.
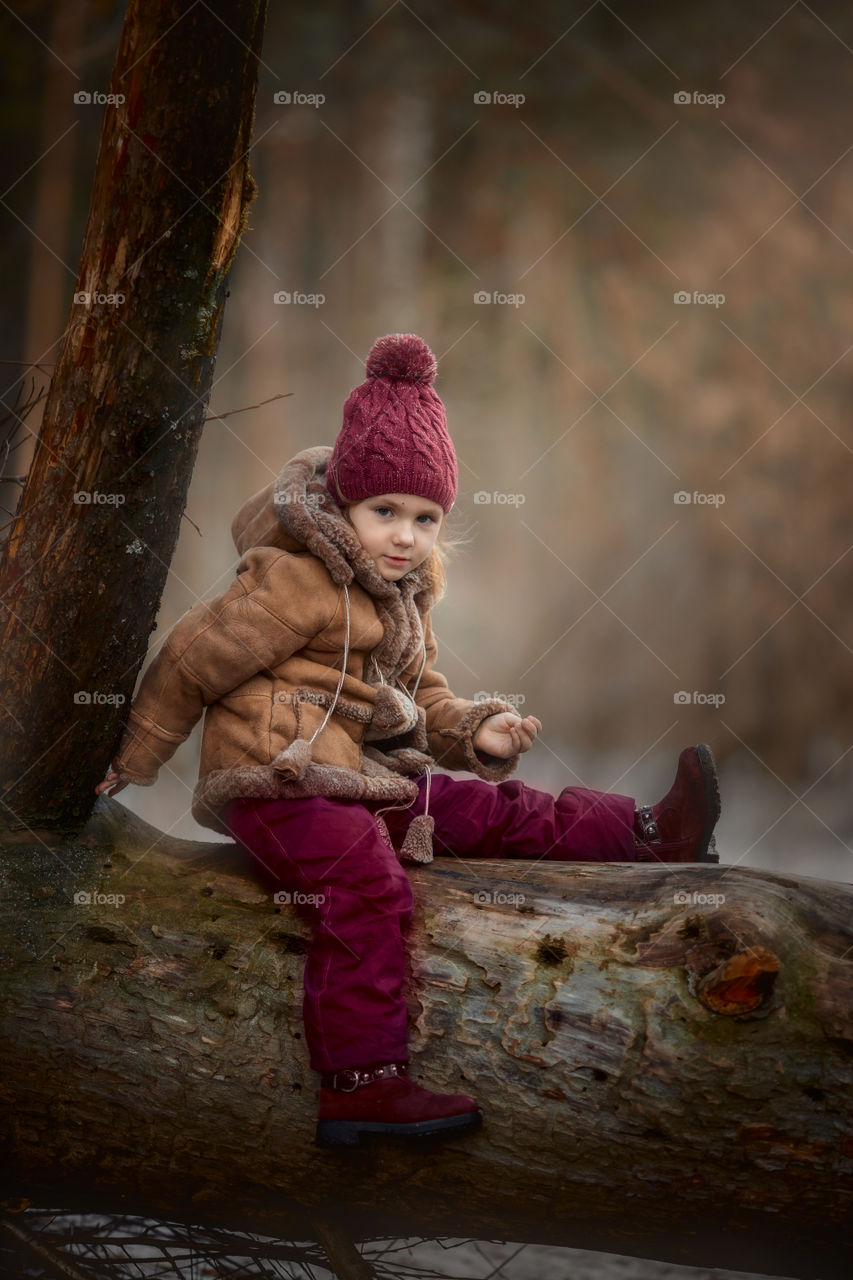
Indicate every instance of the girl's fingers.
{"type": "Point", "coordinates": [111, 780]}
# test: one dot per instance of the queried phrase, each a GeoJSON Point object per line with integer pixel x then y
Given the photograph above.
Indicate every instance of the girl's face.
{"type": "Point", "coordinates": [397, 530]}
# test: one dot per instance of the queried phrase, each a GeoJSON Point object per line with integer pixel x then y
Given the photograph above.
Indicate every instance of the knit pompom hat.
{"type": "Point", "coordinates": [394, 436]}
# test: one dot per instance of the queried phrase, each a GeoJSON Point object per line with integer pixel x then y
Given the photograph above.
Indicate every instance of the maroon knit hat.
{"type": "Point", "coordinates": [394, 436]}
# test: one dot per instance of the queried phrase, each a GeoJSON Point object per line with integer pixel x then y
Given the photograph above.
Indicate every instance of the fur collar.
{"type": "Point", "coordinates": [309, 514]}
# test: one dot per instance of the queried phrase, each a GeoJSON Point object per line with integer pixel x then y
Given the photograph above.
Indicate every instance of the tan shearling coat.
{"type": "Point", "coordinates": [315, 676]}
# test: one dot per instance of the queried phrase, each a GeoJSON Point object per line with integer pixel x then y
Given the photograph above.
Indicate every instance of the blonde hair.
{"type": "Point", "coordinates": [447, 543]}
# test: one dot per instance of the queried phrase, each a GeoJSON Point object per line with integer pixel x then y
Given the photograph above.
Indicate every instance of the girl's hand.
{"type": "Point", "coordinates": [506, 734]}
{"type": "Point", "coordinates": [111, 780]}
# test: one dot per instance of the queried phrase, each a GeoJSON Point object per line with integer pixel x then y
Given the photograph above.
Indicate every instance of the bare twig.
{"type": "Point", "coordinates": [30, 364]}
{"type": "Point", "coordinates": [282, 395]}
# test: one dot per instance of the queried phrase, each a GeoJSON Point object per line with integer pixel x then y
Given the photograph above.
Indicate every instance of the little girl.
{"type": "Point", "coordinates": [324, 712]}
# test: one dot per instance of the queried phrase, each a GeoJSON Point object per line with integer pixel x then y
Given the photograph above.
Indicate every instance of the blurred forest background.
{"type": "Point", "coordinates": [582, 397]}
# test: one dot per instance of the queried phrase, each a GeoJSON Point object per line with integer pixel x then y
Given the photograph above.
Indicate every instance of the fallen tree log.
{"type": "Point", "coordinates": [663, 1055]}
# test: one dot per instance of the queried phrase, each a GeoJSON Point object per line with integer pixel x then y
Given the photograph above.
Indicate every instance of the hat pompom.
{"type": "Point", "coordinates": [404, 356]}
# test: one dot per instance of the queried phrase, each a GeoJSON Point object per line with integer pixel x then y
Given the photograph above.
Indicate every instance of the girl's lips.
{"type": "Point", "coordinates": [397, 559]}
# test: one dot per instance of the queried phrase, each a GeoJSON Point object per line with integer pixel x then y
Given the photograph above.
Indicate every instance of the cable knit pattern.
{"type": "Point", "coordinates": [394, 436]}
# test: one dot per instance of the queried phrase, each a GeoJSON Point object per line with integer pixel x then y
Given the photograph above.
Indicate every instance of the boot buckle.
{"type": "Point", "coordinates": [645, 819]}
{"type": "Point", "coordinates": [349, 1080]}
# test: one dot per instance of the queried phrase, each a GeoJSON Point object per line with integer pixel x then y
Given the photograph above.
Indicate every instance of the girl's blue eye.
{"type": "Point", "coordinates": [423, 516]}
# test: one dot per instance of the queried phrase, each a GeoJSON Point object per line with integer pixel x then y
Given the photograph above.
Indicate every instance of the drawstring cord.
{"type": "Point", "coordinates": [429, 779]}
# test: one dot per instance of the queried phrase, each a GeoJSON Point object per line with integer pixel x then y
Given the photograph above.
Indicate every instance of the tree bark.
{"type": "Point", "coordinates": [663, 1055]}
{"type": "Point", "coordinates": [81, 581]}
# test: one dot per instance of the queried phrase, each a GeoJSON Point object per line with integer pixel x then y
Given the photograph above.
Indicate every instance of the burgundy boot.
{"type": "Point", "coordinates": [680, 828]}
{"type": "Point", "coordinates": [382, 1099]}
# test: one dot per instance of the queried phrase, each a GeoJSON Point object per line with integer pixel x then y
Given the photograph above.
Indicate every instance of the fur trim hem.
{"type": "Point", "coordinates": [217, 789]}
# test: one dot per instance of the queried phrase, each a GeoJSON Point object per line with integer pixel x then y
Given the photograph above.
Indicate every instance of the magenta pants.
{"type": "Point", "coordinates": [342, 876]}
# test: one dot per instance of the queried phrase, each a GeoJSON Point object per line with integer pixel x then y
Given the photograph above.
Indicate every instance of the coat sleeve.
{"type": "Point", "coordinates": [269, 612]}
{"type": "Point", "coordinates": [451, 722]}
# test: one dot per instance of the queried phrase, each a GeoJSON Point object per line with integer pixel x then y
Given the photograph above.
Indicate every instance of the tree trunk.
{"type": "Point", "coordinates": [81, 581]}
{"type": "Point", "coordinates": [663, 1056]}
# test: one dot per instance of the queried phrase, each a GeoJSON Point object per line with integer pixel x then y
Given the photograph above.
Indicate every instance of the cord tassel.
{"type": "Point", "coordinates": [417, 845]}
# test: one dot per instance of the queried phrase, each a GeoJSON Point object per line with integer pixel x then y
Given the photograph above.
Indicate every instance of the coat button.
{"type": "Point", "coordinates": [283, 697]}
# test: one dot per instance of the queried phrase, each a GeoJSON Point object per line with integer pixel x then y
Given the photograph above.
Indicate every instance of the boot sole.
{"type": "Point", "coordinates": [347, 1133]}
{"type": "Point", "coordinates": [706, 851]}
